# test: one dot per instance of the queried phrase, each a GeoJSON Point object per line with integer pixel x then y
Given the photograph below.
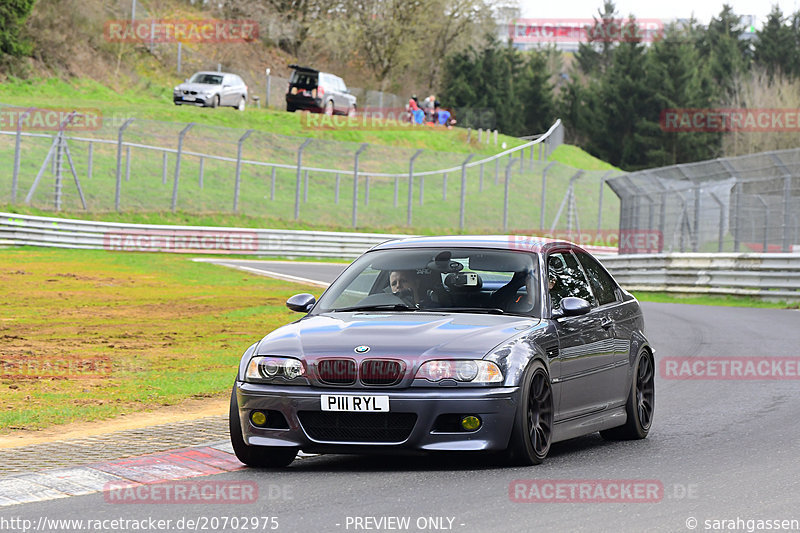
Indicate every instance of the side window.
{"type": "Point", "coordinates": [602, 284]}
{"type": "Point", "coordinates": [342, 86]}
{"type": "Point", "coordinates": [565, 278]}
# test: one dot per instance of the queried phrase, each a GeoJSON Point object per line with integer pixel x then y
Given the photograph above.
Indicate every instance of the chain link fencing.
{"type": "Point", "coordinates": [749, 203]}
{"type": "Point", "coordinates": [138, 165]}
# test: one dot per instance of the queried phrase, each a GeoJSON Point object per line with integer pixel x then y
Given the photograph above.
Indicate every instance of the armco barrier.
{"type": "Point", "coordinates": [70, 233]}
{"type": "Point", "coordinates": [770, 276]}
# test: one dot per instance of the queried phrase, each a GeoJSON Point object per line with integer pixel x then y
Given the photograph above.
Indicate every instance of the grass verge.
{"type": "Point", "coordinates": [717, 300]}
{"type": "Point", "coordinates": [89, 335]}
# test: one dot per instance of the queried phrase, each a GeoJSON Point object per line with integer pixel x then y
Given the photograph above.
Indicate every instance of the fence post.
{"type": "Point", "coordinates": [181, 135]}
{"type": "Point", "coordinates": [600, 202]}
{"type": "Point", "coordinates": [202, 161]}
{"type": "Point", "coordinates": [721, 219]}
{"type": "Point", "coordinates": [522, 159]}
{"type": "Point", "coordinates": [696, 241]}
{"type": "Point", "coordinates": [463, 191]}
{"type": "Point", "coordinates": [90, 160]}
{"type": "Point", "coordinates": [15, 177]}
{"type": "Point", "coordinates": [480, 180]}
{"type": "Point", "coordinates": [355, 183]}
{"type": "Point", "coordinates": [164, 168]}
{"type": "Point", "coordinates": [480, 135]}
{"type": "Point", "coordinates": [299, 177]}
{"type": "Point", "coordinates": [766, 222]}
{"type": "Point", "coordinates": [119, 161]}
{"type": "Point", "coordinates": [544, 195]}
{"type": "Point", "coordinates": [239, 169]}
{"type": "Point", "coordinates": [272, 184]}
{"type": "Point", "coordinates": [505, 195]}
{"type": "Point", "coordinates": [495, 137]}
{"type": "Point", "coordinates": [411, 185]}
{"type": "Point", "coordinates": [737, 196]}
{"type": "Point", "coordinates": [336, 190]}
{"type": "Point", "coordinates": [128, 163]}
{"type": "Point", "coordinates": [530, 158]}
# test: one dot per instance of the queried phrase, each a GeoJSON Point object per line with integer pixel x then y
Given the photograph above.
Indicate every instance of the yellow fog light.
{"type": "Point", "coordinates": [470, 423]}
{"type": "Point", "coordinates": [258, 418]}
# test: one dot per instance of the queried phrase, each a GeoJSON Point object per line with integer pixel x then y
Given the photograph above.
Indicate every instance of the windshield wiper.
{"type": "Point", "coordinates": [382, 307]}
{"type": "Point", "coordinates": [489, 310]}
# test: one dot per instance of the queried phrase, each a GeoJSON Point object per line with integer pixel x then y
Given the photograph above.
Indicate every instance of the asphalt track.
{"type": "Point", "coordinates": [724, 450]}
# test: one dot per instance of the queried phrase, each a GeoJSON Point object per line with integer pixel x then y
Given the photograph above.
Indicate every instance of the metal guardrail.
{"type": "Point", "coordinates": [769, 276]}
{"type": "Point", "coordinates": [20, 230]}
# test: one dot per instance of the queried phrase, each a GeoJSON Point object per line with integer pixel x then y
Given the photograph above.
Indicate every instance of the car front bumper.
{"type": "Point", "coordinates": [198, 100]}
{"type": "Point", "coordinates": [495, 406]}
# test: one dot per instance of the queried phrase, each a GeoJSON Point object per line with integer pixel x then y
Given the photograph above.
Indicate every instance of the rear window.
{"type": "Point", "coordinates": [306, 80]}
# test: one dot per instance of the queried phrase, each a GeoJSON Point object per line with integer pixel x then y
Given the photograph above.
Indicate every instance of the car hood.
{"type": "Point", "coordinates": [409, 335]}
{"type": "Point", "coordinates": [198, 87]}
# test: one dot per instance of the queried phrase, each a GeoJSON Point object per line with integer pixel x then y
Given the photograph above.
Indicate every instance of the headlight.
{"type": "Point", "coordinates": [275, 370]}
{"type": "Point", "coordinates": [176, 90]}
{"type": "Point", "coordinates": [464, 371]}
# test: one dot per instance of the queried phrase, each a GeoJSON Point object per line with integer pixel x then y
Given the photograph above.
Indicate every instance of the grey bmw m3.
{"type": "Point", "coordinates": [436, 344]}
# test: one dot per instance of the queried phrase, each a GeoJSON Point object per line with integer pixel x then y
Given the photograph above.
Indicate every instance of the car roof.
{"type": "Point", "coordinates": [500, 242]}
{"type": "Point", "coordinates": [306, 69]}
{"type": "Point", "coordinates": [213, 72]}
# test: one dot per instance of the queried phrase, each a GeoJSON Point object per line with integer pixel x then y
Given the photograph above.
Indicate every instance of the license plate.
{"type": "Point", "coordinates": [348, 402]}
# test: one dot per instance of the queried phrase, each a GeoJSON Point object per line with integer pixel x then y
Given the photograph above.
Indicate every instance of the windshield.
{"type": "Point", "coordinates": [208, 79]}
{"type": "Point", "coordinates": [446, 279]}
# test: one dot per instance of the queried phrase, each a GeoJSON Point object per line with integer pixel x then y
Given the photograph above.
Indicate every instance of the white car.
{"type": "Point", "coordinates": [212, 89]}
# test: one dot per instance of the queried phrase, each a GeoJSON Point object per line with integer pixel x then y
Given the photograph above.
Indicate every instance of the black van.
{"type": "Point", "coordinates": [318, 92]}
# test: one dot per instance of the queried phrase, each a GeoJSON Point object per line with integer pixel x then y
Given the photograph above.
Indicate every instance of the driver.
{"type": "Point", "coordinates": [406, 284]}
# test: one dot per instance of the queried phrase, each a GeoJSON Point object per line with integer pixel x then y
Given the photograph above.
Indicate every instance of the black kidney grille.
{"type": "Point", "coordinates": [380, 372]}
{"type": "Point", "coordinates": [337, 371]}
{"type": "Point", "coordinates": [357, 427]}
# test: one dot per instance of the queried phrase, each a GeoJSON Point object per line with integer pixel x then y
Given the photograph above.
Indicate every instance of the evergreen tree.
{"type": "Point", "coordinates": [536, 94]}
{"type": "Point", "coordinates": [728, 55]}
{"type": "Point", "coordinates": [677, 79]}
{"type": "Point", "coordinates": [774, 45]}
{"type": "Point", "coordinates": [13, 14]}
{"type": "Point", "coordinates": [595, 56]}
{"type": "Point", "coordinates": [626, 107]}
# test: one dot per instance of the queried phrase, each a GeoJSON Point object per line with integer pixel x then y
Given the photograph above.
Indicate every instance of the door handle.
{"type": "Point", "coordinates": [606, 323]}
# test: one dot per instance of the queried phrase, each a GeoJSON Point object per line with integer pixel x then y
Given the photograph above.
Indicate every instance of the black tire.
{"type": "Point", "coordinates": [255, 456]}
{"type": "Point", "coordinates": [641, 403]}
{"type": "Point", "coordinates": [352, 111]}
{"type": "Point", "coordinates": [215, 101]}
{"type": "Point", "coordinates": [533, 423]}
{"type": "Point", "coordinates": [329, 108]}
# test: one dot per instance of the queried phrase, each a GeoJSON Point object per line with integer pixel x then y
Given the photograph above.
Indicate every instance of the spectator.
{"type": "Point", "coordinates": [427, 106]}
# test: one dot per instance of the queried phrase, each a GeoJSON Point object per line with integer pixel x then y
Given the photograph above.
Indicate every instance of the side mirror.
{"type": "Point", "coordinates": [186, 80]}
{"type": "Point", "coordinates": [302, 303]}
{"type": "Point", "coordinates": [572, 306]}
